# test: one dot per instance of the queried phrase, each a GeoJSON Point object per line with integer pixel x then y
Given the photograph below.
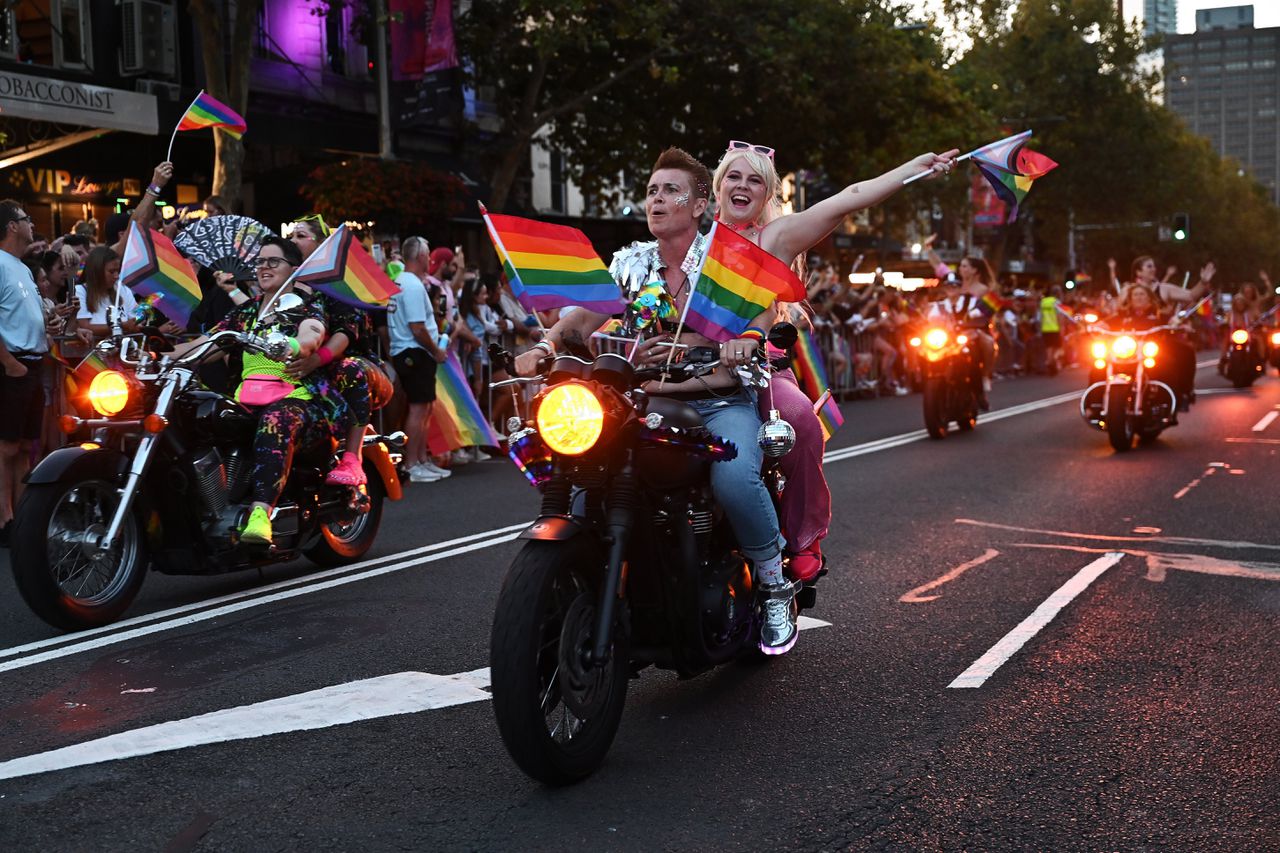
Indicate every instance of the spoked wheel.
{"type": "Point", "coordinates": [935, 407]}
{"type": "Point", "coordinates": [557, 712]}
{"type": "Point", "coordinates": [57, 565]}
{"type": "Point", "coordinates": [344, 542]}
{"type": "Point", "coordinates": [1119, 429]}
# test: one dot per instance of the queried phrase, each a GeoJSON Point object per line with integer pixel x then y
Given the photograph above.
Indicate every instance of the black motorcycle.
{"type": "Point", "coordinates": [951, 380]}
{"type": "Point", "coordinates": [1244, 359]}
{"type": "Point", "coordinates": [630, 563]}
{"type": "Point", "coordinates": [165, 483]}
{"type": "Point", "coordinates": [1123, 400]}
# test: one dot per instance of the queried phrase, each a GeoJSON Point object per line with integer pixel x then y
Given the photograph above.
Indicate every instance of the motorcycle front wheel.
{"type": "Point", "coordinates": [935, 407]}
{"type": "Point", "coordinates": [56, 563]}
{"type": "Point", "coordinates": [557, 713]}
{"type": "Point", "coordinates": [1119, 429]}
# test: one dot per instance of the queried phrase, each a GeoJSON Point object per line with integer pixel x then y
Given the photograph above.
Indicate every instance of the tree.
{"type": "Point", "coordinates": [226, 71]}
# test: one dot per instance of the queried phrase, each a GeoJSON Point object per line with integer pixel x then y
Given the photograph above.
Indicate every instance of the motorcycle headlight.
{"type": "Point", "coordinates": [936, 338]}
{"type": "Point", "coordinates": [1099, 350]}
{"type": "Point", "coordinates": [1091, 318]}
{"type": "Point", "coordinates": [1149, 349]}
{"type": "Point", "coordinates": [1275, 339]}
{"type": "Point", "coordinates": [109, 393]}
{"type": "Point", "coordinates": [1124, 347]}
{"type": "Point", "coordinates": [1240, 336]}
{"type": "Point", "coordinates": [570, 419]}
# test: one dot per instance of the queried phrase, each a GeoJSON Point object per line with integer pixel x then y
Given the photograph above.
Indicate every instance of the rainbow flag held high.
{"type": "Point", "coordinates": [456, 419]}
{"type": "Point", "coordinates": [551, 266]}
{"type": "Point", "coordinates": [340, 267]}
{"type": "Point", "coordinates": [208, 111]}
{"type": "Point", "coordinates": [736, 281]}
{"type": "Point", "coordinates": [1011, 188]}
{"type": "Point", "coordinates": [829, 414]}
{"type": "Point", "coordinates": [1003, 153]}
{"type": "Point", "coordinates": [152, 267]}
{"type": "Point", "coordinates": [807, 364]}
{"type": "Point", "coordinates": [990, 303]}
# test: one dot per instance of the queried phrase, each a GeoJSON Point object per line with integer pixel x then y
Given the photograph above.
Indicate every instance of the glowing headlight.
{"type": "Point", "coordinates": [1099, 350]}
{"type": "Point", "coordinates": [1091, 318]}
{"type": "Point", "coordinates": [1149, 349]}
{"type": "Point", "coordinates": [1124, 347]}
{"type": "Point", "coordinates": [1240, 336]}
{"type": "Point", "coordinates": [1275, 339]}
{"type": "Point", "coordinates": [570, 419]}
{"type": "Point", "coordinates": [109, 393]}
{"type": "Point", "coordinates": [936, 338]}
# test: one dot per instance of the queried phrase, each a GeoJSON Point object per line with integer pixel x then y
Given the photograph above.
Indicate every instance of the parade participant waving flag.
{"type": "Point", "coordinates": [208, 111]}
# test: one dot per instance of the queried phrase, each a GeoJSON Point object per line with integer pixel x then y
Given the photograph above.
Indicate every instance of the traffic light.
{"type": "Point", "coordinates": [1181, 227]}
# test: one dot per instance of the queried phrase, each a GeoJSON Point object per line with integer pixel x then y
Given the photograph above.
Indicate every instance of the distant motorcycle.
{"type": "Point", "coordinates": [950, 380]}
{"type": "Point", "coordinates": [1123, 400]}
{"type": "Point", "coordinates": [1244, 359]}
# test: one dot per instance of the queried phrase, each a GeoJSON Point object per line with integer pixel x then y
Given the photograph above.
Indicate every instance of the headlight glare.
{"type": "Point", "coordinates": [109, 393]}
{"type": "Point", "coordinates": [570, 419]}
{"type": "Point", "coordinates": [1124, 347]}
{"type": "Point", "coordinates": [1240, 336]}
{"type": "Point", "coordinates": [936, 338]}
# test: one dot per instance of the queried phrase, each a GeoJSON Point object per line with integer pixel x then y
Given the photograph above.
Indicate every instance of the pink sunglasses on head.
{"type": "Point", "coordinates": [739, 145]}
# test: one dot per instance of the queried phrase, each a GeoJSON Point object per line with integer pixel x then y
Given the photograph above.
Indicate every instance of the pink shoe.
{"type": "Point", "coordinates": [805, 565]}
{"type": "Point", "coordinates": [348, 472]}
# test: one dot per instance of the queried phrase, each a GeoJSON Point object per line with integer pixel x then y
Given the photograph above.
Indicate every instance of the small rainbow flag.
{"type": "Point", "coordinates": [1205, 308]}
{"type": "Point", "coordinates": [551, 266]}
{"type": "Point", "coordinates": [829, 414]}
{"type": "Point", "coordinates": [736, 281]}
{"type": "Point", "coordinates": [1003, 153]}
{"type": "Point", "coordinates": [808, 366]}
{"type": "Point", "coordinates": [1011, 188]}
{"type": "Point", "coordinates": [990, 303]}
{"type": "Point", "coordinates": [456, 419]}
{"type": "Point", "coordinates": [208, 111]}
{"type": "Point", "coordinates": [152, 267]}
{"type": "Point", "coordinates": [341, 268]}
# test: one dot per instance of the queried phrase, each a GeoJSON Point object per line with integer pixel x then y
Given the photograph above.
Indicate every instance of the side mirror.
{"type": "Point", "coordinates": [784, 336]}
{"type": "Point", "coordinates": [283, 305]}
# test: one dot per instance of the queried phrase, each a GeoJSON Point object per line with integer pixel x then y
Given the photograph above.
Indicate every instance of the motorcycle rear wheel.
{"type": "Point", "coordinates": [343, 543]}
{"type": "Point", "coordinates": [53, 554]}
{"type": "Point", "coordinates": [1119, 430]}
{"type": "Point", "coordinates": [557, 714]}
{"type": "Point", "coordinates": [935, 407]}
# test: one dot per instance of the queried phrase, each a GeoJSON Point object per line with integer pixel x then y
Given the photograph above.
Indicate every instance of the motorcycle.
{"type": "Point", "coordinates": [630, 563]}
{"type": "Point", "coordinates": [1243, 361]}
{"type": "Point", "coordinates": [165, 483]}
{"type": "Point", "coordinates": [1123, 400]}
{"type": "Point", "coordinates": [950, 380]}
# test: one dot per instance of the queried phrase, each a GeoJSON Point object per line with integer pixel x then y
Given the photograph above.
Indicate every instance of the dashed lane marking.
{"type": "Point", "coordinates": [984, 667]}
{"type": "Point", "coordinates": [1266, 421]}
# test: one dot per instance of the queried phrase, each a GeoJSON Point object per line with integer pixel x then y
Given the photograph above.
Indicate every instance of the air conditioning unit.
{"type": "Point", "coordinates": [159, 88]}
{"type": "Point", "coordinates": [149, 38]}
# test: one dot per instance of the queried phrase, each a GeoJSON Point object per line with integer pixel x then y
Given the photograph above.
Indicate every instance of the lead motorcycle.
{"type": "Point", "coordinates": [630, 562]}
{"type": "Point", "coordinates": [165, 483]}
{"type": "Point", "coordinates": [950, 380]}
{"type": "Point", "coordinates": [1123, 400]}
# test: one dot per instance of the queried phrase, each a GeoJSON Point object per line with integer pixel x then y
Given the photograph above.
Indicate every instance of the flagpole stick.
{"type": "Point", "coordinates": [931, 170]}
{"type": "Point", "coordinates": [169, 154]}
{"type": "Point", "coordinates": [1186, 276]}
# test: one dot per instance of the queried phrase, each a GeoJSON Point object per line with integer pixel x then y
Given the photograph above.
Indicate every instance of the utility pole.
{"type": "Point", "coordinates": [1071, 238]}
{"type": "Point", "coordinates": [384, 93]}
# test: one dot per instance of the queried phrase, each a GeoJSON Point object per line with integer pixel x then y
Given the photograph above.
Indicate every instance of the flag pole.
{"type": "Point", "coordinates": [169, 154]}
{"type": "Point", "coordinates": [688, 298]}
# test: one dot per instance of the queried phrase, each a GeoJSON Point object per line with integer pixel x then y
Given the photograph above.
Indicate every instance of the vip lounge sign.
{"type": "Point", "coordinates": [59, 182]}
{"type": "Point", "coordinates": [65, 102]}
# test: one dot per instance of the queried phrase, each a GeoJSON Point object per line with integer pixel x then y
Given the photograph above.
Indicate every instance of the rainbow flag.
{"type": "Point", "coordinates": [456, 419]}
{"type": "Point", "coordinates": [1011, 188]}
{"type": "Point", "coordinates": [829, 414]}
{"type": "Point", "coordinates": [341, 268]}
{"type": "Point", "coordinates": [152, 267]}
{"type": "Point", "coordinates": [1033, 164]}
{"type": "Point", "coordinates": [207, 111]}
{"type": "Point", "coordinates": [1002, 154]}
{"type": "Point", "coordinates": [807, 364]}
{"type": "Point", "coordinates": [1205, 308]}
{"type": "Point", "coordinates": [736, 281]}
{"type": "Point", "coordinates": [990, 303]}
{"type": "Point", "coordinates": [551, 266]}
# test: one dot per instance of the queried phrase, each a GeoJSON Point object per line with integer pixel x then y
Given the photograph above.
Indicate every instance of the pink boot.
{"type": "Point", "coordinates": [348, 472]}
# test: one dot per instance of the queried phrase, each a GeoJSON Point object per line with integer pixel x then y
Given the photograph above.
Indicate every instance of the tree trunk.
{"type": "Point", "coordinates": [504, 176]}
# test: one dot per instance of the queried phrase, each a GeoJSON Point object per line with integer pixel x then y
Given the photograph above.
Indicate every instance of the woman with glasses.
{"type": "Point", "coordinates": [748, 197]}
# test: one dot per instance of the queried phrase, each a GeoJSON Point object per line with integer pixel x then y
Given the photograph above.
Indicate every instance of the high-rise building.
{"type": "Point", "coordinates": [1159, 16]}
{"type": "Point", "coordinates": [1225, 85]}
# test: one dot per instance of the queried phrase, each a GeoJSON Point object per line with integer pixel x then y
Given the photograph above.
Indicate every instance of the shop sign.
{"type": "Point", "coordinates": [59, 182]}
{"type": "Point", "coordinates": [66, 102]}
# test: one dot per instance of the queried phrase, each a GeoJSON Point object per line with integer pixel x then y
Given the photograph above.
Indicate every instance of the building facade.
{"type": "Point", "coordinates": [1159, 17]}
{"type": "Point", "coordinates": [1225, 84]}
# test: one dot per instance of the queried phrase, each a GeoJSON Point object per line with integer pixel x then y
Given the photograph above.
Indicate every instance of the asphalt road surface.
{"type": "Point", "coordinates": [1026, 641]}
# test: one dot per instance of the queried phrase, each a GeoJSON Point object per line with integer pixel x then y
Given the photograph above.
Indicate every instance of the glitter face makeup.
{"type": "Point", "coordinates": [682, 200]}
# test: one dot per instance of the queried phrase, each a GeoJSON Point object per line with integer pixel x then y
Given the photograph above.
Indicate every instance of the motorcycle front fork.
{"type": "Point", "coordinates": [621, 505]}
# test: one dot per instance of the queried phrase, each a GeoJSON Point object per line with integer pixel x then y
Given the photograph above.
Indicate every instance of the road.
{"type": "Point", "coordinates": [1026, 641]}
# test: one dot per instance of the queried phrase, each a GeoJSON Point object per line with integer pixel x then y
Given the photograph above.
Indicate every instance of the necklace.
{"type": "Point", "coordinates": [743, 228]}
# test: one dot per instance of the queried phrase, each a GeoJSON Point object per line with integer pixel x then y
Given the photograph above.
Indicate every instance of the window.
{"type": "Point", "coordinates": [53, 33]}
{"type": "Point", "coordinates": [335, 38]}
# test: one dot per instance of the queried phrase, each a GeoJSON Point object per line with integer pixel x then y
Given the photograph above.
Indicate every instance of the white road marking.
{"type": "Point", "coordinates": [985, 666]}
{"type": "Point", "coordinates": [1159, 563]}
{"type": "Point", "coordinates": [915, 597]}
{"type": "Point", "coordinates": [1167, 540]}
{"type": "Point", "coordinates": [1208, 472]}
{"type": "Point", "coordinates": [1253, 441]}
{"type": "Point", "coordinates": [1266, 421]}
{"type": "Point", "coordinates": [366, 699]}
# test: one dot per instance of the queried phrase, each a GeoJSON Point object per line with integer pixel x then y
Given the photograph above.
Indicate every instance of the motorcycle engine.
{"type": "Point", "coordinates": [726, 598]}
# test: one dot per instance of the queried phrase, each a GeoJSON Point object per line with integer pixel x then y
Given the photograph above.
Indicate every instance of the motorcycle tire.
{"type": "Point", "coordinates": [1242, 375]}
{"type": "Point", "coordinates": [1119, 430]}
{"type": "Point", "coordinates": [968, 419]}
{"type": "Point", "coordinates": [546, 609]}
{"type": "Point", "coordinates": [935, 407]}
{"type": "Point", "coordinates": [340, 544]}
{"type": "Point", "coordinates": [50, 527]}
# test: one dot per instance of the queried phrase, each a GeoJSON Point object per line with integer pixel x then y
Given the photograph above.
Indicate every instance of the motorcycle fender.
{"type": "Point", "coordinates": [552, 528]}
{"type": "Point", "coordinates": [386, 470]}
{"type": "Point", "coordinates": [79, 463]}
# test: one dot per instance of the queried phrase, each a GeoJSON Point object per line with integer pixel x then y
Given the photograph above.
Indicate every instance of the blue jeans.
{"type": "Point", "coordinates": [736, 484]}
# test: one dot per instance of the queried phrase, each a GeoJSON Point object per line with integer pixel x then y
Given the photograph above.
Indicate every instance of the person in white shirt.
{"type": "Point", "coordinates": [417, 347]}
{"type": "Point", "coordinates": [103, 300]}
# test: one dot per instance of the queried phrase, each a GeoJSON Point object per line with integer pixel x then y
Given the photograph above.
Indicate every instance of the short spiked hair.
{"type": "Point", "coordinates": [699, 175]}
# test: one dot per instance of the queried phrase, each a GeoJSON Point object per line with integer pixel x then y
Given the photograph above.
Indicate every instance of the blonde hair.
{"type": "Point", "coordinates": [763, 167]}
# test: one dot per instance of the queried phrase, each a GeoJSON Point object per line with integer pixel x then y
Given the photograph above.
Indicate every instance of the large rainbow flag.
{"type": "Point", "coordinates": [736, 281]}
{"type": "Point", "coordinates": [341, 268]}
{"type": "Point", "coordinates": [551, 266]}
{"type": "Point", "coordinates": [807, 364]}
{"type": "Point", "coordinates": [153, 267]}
{"type": "Point", "coordinates": [456, 419]}
{"type": "Point", "coordinates": [208, 111]}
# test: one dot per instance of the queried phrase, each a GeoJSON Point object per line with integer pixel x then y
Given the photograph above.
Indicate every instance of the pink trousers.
{"type": "Point", "coordinates": [805, 514]}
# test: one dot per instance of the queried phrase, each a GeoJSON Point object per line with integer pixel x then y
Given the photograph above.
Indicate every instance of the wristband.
{"type": "Point", "coordinates": [154, 190]}
{"type": "Point", "coordinates": [325, 356]}
{"type": "Point", "coordinates": [294, 346]}
{"type": "Point", "coordinates": [546, 346]}
{"type": "Point", "coordinates": [753, 334]}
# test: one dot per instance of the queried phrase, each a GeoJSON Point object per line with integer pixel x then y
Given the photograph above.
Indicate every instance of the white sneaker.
{"type": "Point", "coordinates": [459, 457]}
{"type": "Point", "coordinates": [442, 473]}
{"type": "Point", "coordinates": [421, 474]}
